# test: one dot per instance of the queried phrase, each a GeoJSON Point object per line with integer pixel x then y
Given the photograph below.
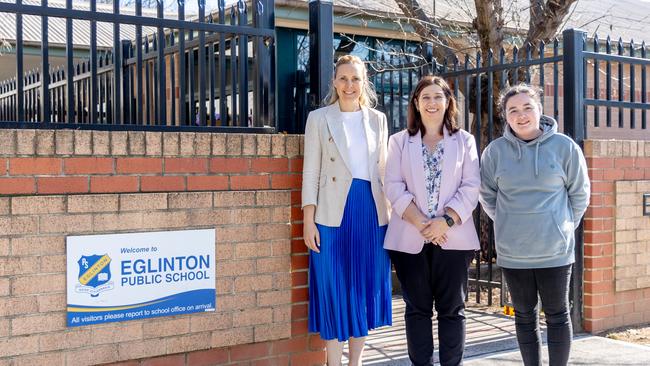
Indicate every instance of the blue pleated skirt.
{"type": "Point", "coordinates": [349, 280]}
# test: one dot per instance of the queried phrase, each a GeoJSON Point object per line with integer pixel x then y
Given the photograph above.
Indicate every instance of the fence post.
{"type": "Point", "coordinates": [574, 125]}
{"type": "Point", "coordinates": [321, 55]}
{"type": "Point", "coordinates": [573, 84]}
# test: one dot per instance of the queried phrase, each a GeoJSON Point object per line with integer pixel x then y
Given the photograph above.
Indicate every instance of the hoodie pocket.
{"type": "Point", "coordinates": [532, 235]}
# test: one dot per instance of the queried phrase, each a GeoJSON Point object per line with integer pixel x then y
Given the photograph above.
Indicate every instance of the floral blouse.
{"type": "Point", "coordinates": [433, 174]}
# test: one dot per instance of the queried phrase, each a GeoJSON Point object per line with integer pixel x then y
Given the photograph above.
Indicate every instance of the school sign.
{"type": "Point", "coordinates": [120, 277]}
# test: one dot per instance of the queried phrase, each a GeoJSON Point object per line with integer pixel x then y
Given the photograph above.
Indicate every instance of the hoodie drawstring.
{"type": "Point", "coordinates": [518, 150]}
{"type": "Point", "coordinates": [536, 158]}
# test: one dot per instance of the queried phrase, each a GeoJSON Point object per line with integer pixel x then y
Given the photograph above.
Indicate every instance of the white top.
{"type": "Point", "coordinates": [357, 144]}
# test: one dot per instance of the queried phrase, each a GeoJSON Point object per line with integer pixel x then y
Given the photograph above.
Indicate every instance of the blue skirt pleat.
{"type": "Point", "coordinates": [349, 280]}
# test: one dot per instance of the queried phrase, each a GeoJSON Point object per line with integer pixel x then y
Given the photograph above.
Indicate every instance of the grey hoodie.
{"type": "Point", "coordinates": [536, 193]}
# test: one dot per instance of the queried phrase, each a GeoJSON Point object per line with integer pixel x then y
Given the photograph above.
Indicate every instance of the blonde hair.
{"type": "Point", "coordinates": [368, 97]}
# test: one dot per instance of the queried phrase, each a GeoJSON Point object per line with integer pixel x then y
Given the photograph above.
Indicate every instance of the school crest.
{"type": "Point", "coordinates": [94, 274]}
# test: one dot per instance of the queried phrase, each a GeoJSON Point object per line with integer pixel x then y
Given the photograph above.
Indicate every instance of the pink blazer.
{"type": "Point", "coordinates": [404, 182]}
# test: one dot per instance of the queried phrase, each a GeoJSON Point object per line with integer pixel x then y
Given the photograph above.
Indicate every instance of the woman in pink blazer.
{"type": "Point", "coordinates": [432, 182]}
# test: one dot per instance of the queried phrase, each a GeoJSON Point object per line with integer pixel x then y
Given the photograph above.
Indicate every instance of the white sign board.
{"type": "Point", "coordinates": [120, 277]}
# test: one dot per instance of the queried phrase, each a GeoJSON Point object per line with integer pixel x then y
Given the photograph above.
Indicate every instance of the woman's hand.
{"type": "Point", "coordinates": [439, 240]}
{"type": "Point", "coordinates": [311, 236]}
{"type": "Point", "coordinates": [435, 228]}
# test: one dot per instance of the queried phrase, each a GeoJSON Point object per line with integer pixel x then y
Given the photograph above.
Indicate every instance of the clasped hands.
{"type": "Point", "coordinates": [434, 230]}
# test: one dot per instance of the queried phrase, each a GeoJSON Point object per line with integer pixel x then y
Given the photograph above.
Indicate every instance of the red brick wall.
{"type": "Point", "coordinates": [105, 166]}
{"type": "Point", "coordinates": [610, 161]}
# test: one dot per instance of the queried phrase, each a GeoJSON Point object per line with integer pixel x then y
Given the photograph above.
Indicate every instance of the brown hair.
{"type": "Point", "coordinates": [367, 98]}
{"type": "Point", "coordinates": [414, 119]}
{"type": "Point", "coordinates": [534, 93]}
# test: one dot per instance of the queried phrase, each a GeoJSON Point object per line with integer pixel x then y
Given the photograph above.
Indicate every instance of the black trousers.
{"type": "Point", "coordinates": [434, 276]}
{"type": "Point", "coordinates": [552, 285]}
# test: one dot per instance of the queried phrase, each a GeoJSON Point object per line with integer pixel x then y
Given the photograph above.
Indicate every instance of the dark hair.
{"type": "Point", "coordinates": [413, 117]}
{"type": "Point", "coordinates": [534, 93]}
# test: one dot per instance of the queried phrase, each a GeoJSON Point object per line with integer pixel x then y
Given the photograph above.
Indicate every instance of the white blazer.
{"type": "Point", "coordinates": [327, 176]}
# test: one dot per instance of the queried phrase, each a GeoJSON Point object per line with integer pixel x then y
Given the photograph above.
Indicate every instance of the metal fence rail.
{"type": "Point", "coordinates": [197, 74]}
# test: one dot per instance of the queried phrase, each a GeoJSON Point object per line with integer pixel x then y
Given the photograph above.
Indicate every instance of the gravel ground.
{"type": "Point", "coordinates": [637, 334]}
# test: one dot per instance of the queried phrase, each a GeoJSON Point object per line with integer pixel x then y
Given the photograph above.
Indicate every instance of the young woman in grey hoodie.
{"type": "Point", "coordinates": [535, 187]}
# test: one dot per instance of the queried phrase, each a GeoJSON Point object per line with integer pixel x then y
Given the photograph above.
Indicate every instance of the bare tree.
{"type": "Point", "coordinates": [545, 20]}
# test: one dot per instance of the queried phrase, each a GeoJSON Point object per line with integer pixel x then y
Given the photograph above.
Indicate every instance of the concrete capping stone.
{"type": "Point", "coordinates": [170, 141]}
{"type": "Point", "coordinates": [101, 143]}
{"type": "Point", "coordinates": [44, 142]}
{"type": "Point", "coordinates": [83, 142]}
{"type": "Point", "coordinates": [64, 140]}
{"type": "Point", "coordinates": [25, 142]}
{"type": "Point", "coordinates": [233, 144]}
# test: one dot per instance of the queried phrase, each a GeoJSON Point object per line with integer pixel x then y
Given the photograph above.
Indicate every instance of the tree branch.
{"type": "Point", "coordinates": [546, 17]}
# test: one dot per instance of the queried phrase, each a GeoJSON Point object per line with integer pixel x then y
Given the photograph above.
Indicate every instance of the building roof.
{"type": "Point", "coordinates": [620, 18]}
{"type": "Point", "coordinates": [81, 28]}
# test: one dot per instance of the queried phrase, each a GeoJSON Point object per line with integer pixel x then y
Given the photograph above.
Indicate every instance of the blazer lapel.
{"type": "Point", "coordinates": [371, 126]}
{"type": "Point", "coordinates": [447, 180]}
{"type": "Point", "coordinates": [335, 125]}
{"type": "Point", "coordinates": [417, 170]}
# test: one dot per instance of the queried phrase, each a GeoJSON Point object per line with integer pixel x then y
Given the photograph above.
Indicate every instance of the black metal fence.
{"type": "Point", "coordinates": [211, 73]}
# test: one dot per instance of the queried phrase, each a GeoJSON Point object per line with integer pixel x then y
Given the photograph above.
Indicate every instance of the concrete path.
{"type": "Point", "coordinates": [491, 341]}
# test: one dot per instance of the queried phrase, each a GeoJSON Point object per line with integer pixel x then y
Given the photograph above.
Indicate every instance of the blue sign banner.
{"type": "Point", "coordinates": [120, 277]}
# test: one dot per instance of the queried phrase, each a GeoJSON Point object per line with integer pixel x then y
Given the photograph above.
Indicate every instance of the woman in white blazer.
{"type": "Point", "coordinates": [345, 214]}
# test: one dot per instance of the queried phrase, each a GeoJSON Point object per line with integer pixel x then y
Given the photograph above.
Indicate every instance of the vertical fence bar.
{"type": "Point", "coordinates": [541, 49]}
{"type": "Point", "coordinates": [270, 75]}
{"type": "Point", "coordinates": [621, 90]}
{"type": "Point", "coordinates": [596, 82]}
{"type": "Point", "coordinates": [69, 64]}
{"type": "Point", "coordinates": [213, 79]}
{"type": "Point", "coordinates": [126, 81]}
{"type": "Point", "coordinates": [608, 86]}
{"type": "Point", "coordinates": [182, 69]}
{"type": "Point", "coordinates": [259, 66]}
{"type": "Point", "coordinates": [20, 71]}
{"type": "Point", "coordinates": [514, 78]}
{"type": "Point", "coordinates": [233, 69]}
{"type": "Point", "coordinates": [504, 73]}
{"type": "Point", "coordinates": [147, 75]}
{"type": "Point", "coordinates": [466, 92]}
{"type": "Point", "coordinates": [192, 81]}
{"type": "Point", "coordinates": [400, 93]}
{"type": "Point", "coordinates": [477, 116]}
{"type": "Point", "coordinates": [93, 65]}
{"type": "Point", "coordinates": [117, 68]}
{"type": "Point", "coordinates": [243, 65]}
{"type": "Point", "coordinates": [456, 79]}
{"type": "Point", "coordinates": [201, 67]}
{"type": "Point", "coordinates": [223, 76]}
{"type": "Point", "coordinates": [632, 87]}
{"type": "Point", "coordinates": [490, 82]}
{"type": "Point", "coordinates": [139, 104]}
{"type": "Point", "coordinates": [45, 69]}
{"type": "Point", "coordinates": [574, 126]}
{"type": "Point", "coordinates": [172, 82]}
{"type": "Point", "coordinates": [529, 57]}
{"type": "Point", "coordinates": [155, 79]}
{"type": "Point", "coordinates": [644, 97]}
{"type": "Point", "coordinates": [160, 62]}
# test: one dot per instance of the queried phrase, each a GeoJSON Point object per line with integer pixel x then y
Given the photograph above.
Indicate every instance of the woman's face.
{"type": "Point", "coordinates": [432, 104]}
{"type": "Point", "coordinates": [348, 82]}
{"type": "Point", "coordinates": [523, 114]}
